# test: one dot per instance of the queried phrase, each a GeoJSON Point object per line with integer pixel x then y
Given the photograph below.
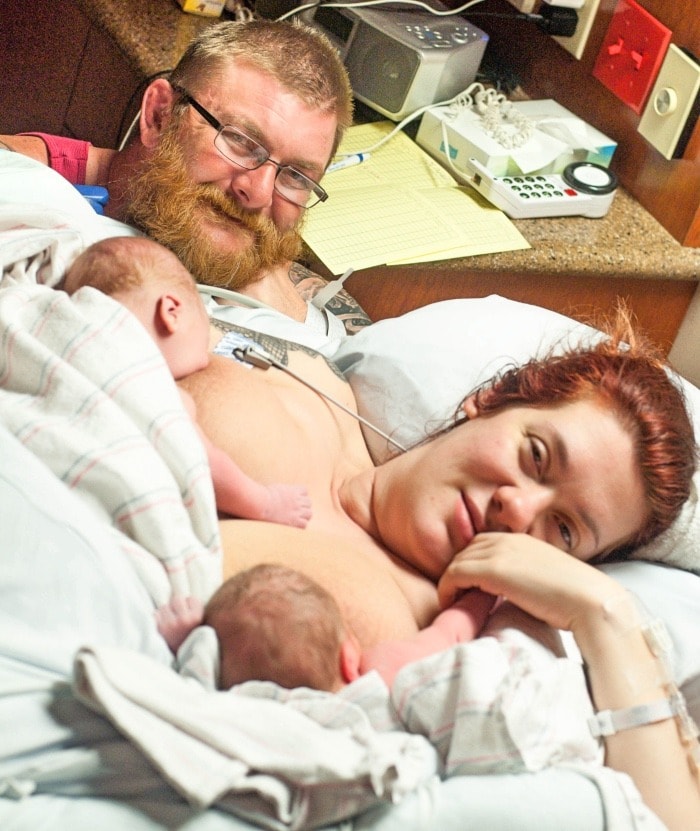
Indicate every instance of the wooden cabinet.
{"type": "Point", "coordinates": [659, 306]}
{"type": "Point", "coordinates": [61, 74]}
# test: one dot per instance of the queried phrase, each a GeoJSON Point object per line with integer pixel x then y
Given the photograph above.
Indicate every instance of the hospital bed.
{"type": "Point", "coordinates": [98, 729]}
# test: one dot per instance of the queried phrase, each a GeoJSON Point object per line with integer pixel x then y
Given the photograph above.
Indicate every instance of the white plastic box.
{"type": "Point", "coordinates": [559, 138]}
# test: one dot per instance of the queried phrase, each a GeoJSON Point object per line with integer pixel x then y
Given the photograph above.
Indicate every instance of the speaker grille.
{"type": "Point", "coordinates": [381, 69]}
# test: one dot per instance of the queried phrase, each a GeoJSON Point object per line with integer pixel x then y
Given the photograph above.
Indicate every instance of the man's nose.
{"type": "Point", "coordinates": [253, 189]}
{"type": "Point", "coordinates": [519, 507]}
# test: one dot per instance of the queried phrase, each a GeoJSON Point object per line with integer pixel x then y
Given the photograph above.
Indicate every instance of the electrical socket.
{"type": "Point", "coordinates": [576, 44]}
{"type": "Point", "coordinates": [631, 55]}
{"type": "Point", "coordinates": [671, 102]}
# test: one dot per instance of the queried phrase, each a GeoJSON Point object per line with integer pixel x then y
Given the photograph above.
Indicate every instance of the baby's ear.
{"type": "Point", "coordinates": [349, 660]}
{"type": "Point", "coordinates": [469, 406]}
{"type": "Point", "coordinates": [167, 313]}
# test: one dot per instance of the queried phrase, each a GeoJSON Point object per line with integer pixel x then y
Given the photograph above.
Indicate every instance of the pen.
{"type": "Point", "coordinates": [348, 161]}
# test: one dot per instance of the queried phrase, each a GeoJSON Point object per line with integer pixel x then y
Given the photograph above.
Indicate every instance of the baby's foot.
{"type": "Point", "coordinates": [288, 505]}
{"type": "Point", "coordinates": [177, 618]}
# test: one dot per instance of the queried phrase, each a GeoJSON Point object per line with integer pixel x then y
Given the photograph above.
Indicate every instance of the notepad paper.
{"type": "Point", "coordinates": [400, 206]}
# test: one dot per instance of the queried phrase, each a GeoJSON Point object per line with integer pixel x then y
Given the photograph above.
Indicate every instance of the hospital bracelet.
{"type": "Point", "coordinates": [609, 722]}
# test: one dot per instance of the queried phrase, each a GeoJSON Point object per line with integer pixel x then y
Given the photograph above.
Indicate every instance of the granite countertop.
{"type": "Point", "coordinates": [152, 34]}
{"type": "Point", "coordinates": [628, 242]}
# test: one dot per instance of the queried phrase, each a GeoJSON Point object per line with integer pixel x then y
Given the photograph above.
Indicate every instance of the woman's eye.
{"type": "Point", "coordinates": [565, 533]}
{"type": "Point", "coordinates": [538, 454]}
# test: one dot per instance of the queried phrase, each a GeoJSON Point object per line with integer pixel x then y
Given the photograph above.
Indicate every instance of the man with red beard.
{"type": "Point", "coordinates": [228, 158]}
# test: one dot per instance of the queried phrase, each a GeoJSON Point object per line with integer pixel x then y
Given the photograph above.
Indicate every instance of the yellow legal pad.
{"type": "Point", "coordinates": [401, 206]}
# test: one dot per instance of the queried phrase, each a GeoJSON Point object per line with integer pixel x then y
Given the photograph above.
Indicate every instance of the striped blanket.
{"type": "Point", "coordinates": [83, 386]}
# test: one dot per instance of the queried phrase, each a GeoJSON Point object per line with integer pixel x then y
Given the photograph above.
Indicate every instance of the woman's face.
{"type": "Point", "coordinates": [564, 474]}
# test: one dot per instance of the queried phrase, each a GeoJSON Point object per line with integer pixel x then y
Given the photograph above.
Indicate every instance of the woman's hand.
{"type": "Point", "coordinates": [548, 583]}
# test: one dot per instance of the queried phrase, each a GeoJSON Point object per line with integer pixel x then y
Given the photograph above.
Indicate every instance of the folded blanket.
{"type": "Point", "coordinates": [257, 758]}
{"type": "Point", "coordinates": [44, 222]}
{"type": "Point", "coordinates": [84, 387]}
{"type": "Point", "coordinates": [509, 701]}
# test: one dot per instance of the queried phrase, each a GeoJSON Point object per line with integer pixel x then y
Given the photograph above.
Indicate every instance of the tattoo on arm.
{"type": "Point", "coordinates": [5, 146]}
{"type": "Point", "coordinates": [343, 305]}
{"type": "Point", "coordinates": [277, 347]}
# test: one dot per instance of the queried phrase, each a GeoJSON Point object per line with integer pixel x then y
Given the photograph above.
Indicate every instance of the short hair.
{"type": "Point", "coordinates": [120, 264]}
{"type": "Point", "coordinates": [298, 56]}
{"type": "Point", "coordinates": [276, 624]}
{"type": "Point", "coordinates": [627, 374]}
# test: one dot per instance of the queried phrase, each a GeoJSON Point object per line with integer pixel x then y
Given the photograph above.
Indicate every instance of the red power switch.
{"type": "Point", "coordinates": [632, 52]}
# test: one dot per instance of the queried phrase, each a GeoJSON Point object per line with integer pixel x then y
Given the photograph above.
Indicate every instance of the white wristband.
{"type": "Point", "coordinates": [609, 722]}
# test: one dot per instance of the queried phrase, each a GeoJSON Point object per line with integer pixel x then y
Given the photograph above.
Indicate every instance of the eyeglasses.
{"type": "Point", "coordinates": [242, 150]}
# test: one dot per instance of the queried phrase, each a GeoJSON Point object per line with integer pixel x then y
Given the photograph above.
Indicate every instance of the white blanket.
{"type": "Point", "coordinates": [85, 389]}
{"type": "Point", "coordinates": [510, 701]}
{"type": "Point", "coordinates": [44, 222]}
{"type": "Point", "coordinates": [274, 763]}
{"type": "Point", "coordinates": [301, 758]}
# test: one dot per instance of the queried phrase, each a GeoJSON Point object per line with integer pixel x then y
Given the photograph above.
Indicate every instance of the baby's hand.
{"type": "Point", "coordinates": [466, 617]}
{"type": "Point", "coordinates": [178, 618]}
{"type": "Point", "coordinates": [288, 505]}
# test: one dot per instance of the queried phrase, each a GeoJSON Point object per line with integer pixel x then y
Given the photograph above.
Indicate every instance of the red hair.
{"type": "Point", "coordinates": [634, 383]}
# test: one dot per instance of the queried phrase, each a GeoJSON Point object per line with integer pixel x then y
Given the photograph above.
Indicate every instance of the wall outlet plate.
{"type": "Point", "coordinates": [577, 43]}
{"type": "Point", "coordinates": [673, 101]}
{"type": "Point", "coordinates": [631, 55]}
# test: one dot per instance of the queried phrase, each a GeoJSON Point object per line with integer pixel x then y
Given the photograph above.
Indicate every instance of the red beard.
{"type": "Point", "coordinates": [165, 204]}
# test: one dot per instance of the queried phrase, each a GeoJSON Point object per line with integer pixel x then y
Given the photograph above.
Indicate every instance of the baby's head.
{"type": "Point", "coordinates": [153, 284]}
{"type": "Point", "coordinates": [275, 624]}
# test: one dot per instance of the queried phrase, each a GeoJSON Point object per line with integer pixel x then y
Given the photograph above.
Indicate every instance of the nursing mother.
{"type": "Point", "coordinates": [554, 464]}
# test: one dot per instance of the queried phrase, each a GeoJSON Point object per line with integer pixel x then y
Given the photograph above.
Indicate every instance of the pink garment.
{"type": "Point", "coordinates": [67, 156]}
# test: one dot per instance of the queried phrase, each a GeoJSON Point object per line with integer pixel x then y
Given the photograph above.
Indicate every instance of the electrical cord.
{"type": "Point", "coordinates": [258, 357]}
{"type": "Point", "coordinates": [493, 107]}
{"type": "Point", "coordinates": [554, 20]}
{"type": "Point", "coordinates": [137, 92]}
{"type": "Point", "coordinates": [366, 3]}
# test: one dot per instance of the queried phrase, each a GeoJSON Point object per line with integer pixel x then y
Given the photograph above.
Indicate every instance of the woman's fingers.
{"type": "Point", "coordinates": [544, 581]}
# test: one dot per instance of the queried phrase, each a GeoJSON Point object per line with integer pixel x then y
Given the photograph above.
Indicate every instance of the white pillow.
{"type": "Point", "coordinates": [410, 373]}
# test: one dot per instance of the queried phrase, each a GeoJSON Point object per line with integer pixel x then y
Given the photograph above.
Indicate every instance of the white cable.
{"type": "Point", "coordinates": [127, 136]}
{"type": "Point", "coordinates": [228, 294]}
{"type": "Point", "coordinates": [262, 359]}
{"type": "Point", "coordinates": [457, 99]}
{"type": "Point", "coordinates": [364, 3]}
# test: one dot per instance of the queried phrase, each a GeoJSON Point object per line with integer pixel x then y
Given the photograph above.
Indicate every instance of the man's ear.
{"type": "Point", "coordinates": [350, 660]}
{"type": "Point", "coordinates": [167, 314]}
{"type": "Point", "coordinates": [156, 111]}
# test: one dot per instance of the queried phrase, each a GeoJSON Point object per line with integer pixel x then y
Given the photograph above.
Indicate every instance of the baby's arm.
{"type": "Point", "coordinates": [241, 496]}
{"type": "Point", "coordinates": [458, 623]}
{"type": "Point", "coordinates": [177, 618]}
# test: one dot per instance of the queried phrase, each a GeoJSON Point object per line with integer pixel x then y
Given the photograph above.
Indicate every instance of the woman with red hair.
{"type": "Point", "coordinates": [566, 460]}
